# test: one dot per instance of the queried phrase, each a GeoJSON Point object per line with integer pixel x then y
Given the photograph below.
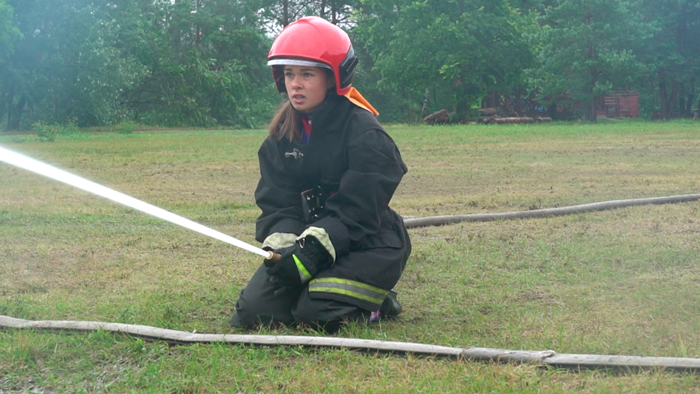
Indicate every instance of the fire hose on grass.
{"type": "Point", "coordinates": [547, 212]}
{"type": "Point", "coordinates": [545, 357]}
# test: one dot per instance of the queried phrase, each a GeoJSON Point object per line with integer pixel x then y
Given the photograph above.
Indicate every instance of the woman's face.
{"type": "Point", "coordinates": [306, 86]}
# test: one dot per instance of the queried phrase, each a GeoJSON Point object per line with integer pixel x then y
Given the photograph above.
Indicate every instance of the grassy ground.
{"type": "Point", "coordinates": [614, 282]}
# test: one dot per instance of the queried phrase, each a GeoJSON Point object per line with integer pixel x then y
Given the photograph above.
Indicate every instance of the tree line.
{"type": "Point", "coordinates": [201, 63]}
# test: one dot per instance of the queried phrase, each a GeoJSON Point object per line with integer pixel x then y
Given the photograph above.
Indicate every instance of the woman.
{"type": "Point", "coordinates": [328, 171]}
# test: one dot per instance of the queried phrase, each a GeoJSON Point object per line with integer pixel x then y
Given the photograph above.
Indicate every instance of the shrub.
{"type": "Point", "coordinates": [45, 132]}
{"type": "Point", "coordinates": [48, 132]}
{"type": "Point", "coordinates": [127, 127]}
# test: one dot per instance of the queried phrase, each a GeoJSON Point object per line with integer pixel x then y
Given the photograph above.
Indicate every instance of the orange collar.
{"type": "Point", "coordinates": [356, 98]}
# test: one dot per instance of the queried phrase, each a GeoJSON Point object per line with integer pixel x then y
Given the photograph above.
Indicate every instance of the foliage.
{"type": "Point", "coordinates": [276, 14]}
{"type": "Point", "coordinates": [459, 49]}
{"type": "Point", "coordinates": [8, 32]}
{"type": "Point", "coordinates": [48, 132]}
{"type": "Point", "coordinates": [171, 63]}
{"type": "Point", "coordinates": [201, 63]}
{"type": "Point", "coordinates": [204, 66]}
{"type": "Point", "coordinates": [127, 127]}
{"type": "Point", "coordinates": [45, 133]}
{"type": "Point", "coordinates": [673, 53]}
{"type": "Point", "coordinates": [587, 48]}
{"type": "Point", "coordinates": [64, 66]}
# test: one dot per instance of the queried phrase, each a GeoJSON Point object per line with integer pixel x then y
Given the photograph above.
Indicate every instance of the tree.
{"type": "Point", "coordinates": [206, 65]}
{"type": "Point", "coordinates": [674, 53]}
{"type": "Point", "coordinates": [276, 14]}
{"type": "Point", "coordinates": [459, 49]}
{"type": "Point", "coordinates": [181, 62]}
{"type": "Point", "coordinates": [63, 66]}
{"type": "Point", "coordinates": [9, 35]}
{"type": "Point", "coordinates": [588, 47]}
{"type": "Point", "coordinates": [8, 32]}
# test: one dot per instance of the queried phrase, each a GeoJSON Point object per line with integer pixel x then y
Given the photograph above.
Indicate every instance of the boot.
{"type": "Point", "coordinates": [390, 307]}
{"type": "Point", "coordinates": [236, 321]}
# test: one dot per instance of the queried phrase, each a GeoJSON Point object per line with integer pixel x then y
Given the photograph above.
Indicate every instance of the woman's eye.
{"type": "Point", "coordinates": [308, 75]}
{"type": "Point", "coordinates": [288, 75]}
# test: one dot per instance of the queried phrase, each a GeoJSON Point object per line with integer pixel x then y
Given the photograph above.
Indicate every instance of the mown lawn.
{"type": "Point", "coordinates": [616, 282]}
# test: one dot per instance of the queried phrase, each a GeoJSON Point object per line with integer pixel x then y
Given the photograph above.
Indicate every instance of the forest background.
{"type": "Point", "coordinates": [201, 63]}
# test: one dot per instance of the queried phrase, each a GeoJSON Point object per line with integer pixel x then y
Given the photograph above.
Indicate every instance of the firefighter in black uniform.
{"type": "Point", "coordinates": [328, 172]}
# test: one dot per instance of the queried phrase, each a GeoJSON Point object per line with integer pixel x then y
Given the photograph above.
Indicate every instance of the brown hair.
{"type": "Point", "coordinates": [286, 123]}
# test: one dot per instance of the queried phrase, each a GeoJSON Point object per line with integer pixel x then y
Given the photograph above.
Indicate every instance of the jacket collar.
{"type": "Point", "coordinates": [330, 114]}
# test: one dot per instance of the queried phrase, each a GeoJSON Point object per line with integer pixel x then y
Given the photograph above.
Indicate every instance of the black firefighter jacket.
{"type": "Point", "coordinates": [357, 164]}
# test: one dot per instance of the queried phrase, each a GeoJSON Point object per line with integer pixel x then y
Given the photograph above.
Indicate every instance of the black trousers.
{"type": "Point", "coordinates": [264, 303]}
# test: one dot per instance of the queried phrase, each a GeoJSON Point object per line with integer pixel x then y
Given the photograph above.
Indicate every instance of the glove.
{"type": "Point", "coordinates": [277, 241]}
{"type": "Point", "coordinates": [300, 262]}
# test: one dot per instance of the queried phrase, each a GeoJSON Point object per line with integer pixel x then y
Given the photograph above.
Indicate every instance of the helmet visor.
{"type": "Point", "coordinates": [297, 62]}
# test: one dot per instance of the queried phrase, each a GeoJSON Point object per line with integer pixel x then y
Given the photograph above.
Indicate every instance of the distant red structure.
{"type": "Point", "coordinates": [619, 103]}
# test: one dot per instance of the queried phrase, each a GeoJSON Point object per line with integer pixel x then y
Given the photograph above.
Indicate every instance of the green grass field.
{"type": "Point", "coordinates": [616, 282]}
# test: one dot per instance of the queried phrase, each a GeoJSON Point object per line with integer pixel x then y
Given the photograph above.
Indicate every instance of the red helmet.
{"type": "Point", "coordinates": [313, 41]}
